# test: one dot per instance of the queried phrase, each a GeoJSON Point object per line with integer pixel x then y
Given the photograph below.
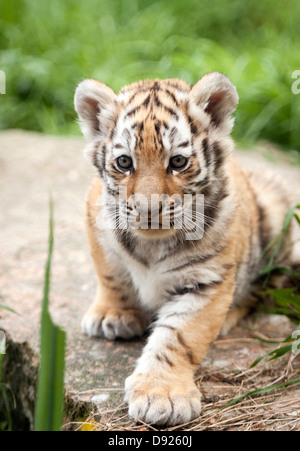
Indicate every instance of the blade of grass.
{"type": "Point", "coordinates": [9, 309]}
{"type": "Point", "coordinates": [262, 391]}
{"type": "Point", "coordinates": [50, 395]}
{"type": "Point", "coordinates": [275, 354]}
{"type": "Point", "coordinates": [286, 302]}
{"type": "Point", "coordinates": [279, 269]}
{"type": "Point", "coordinates": [276, 342]}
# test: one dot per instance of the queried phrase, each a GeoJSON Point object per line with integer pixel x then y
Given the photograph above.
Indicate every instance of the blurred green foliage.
{"type": "Point", "coordinates": [47, 47]}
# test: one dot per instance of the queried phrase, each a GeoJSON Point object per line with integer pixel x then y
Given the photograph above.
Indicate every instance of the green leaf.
{"type": "Point", "coordinates": [50, 395]}
{"type": "Point", "coordinates": [280, 269]}
{"type": "Point", "coordinates": [275, 354]}
{"type": "Point", "coordinates": [297, 217]}
{"type": "Point", "coordinates": [264, 340]}
{"type": "Point", "coordinates": [286, 302]}
{"type": "Point", "coordinates": [262, 391]}
{"type": "Point", "coordinates": [9, 309]}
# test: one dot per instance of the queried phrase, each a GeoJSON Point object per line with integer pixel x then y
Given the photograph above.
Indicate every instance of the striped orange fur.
{"type": "Point", "coordinates": [167, 138]}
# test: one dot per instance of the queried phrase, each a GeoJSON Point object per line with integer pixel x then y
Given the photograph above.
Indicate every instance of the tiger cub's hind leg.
{"type": "Point", "coordinates": [114, 313]}
{"type": "Point", "coordinates": [257, 297]}
{"type": "Point", "coordinates": [233, 317]}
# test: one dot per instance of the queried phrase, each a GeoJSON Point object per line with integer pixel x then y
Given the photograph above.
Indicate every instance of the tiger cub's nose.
{"type": "Point", "coordinates": [148, 211]}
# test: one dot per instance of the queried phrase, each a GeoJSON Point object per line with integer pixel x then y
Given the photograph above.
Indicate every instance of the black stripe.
{"type": "Point", "coordinates": [172, 135]}
{"type": "Point", "coordinates": [193, 262]}
{"type": "Point", "coordinates": [170, 94]}
{"type": "Point", "coordinates": [156, 86]}
{"type": "Point", "coordinates": [103, 156]}
{"type": "Point", "coordinates": [176, 86]}
{"type": "Point", "coordinates": [157, 127]}
{"type": "Point", "coordinates": [119, 146]}
{"type": "Point", "coordinates": [264, 231]}
{"type": "Point", "coordinates": [139, 91]}
{"type": "Point", "coordinates": [206, 152]}
{"type": "Point", "coordinates": [172, 112]}
{"type": "Point", "coordinates": [115, 175]}
{"type": "Point", "coordinates": [111, 191]}
{"type": "Point", "coordinates": [165, 326]}
{"type": "Point", "coordinates": [133, 111]}
{"type": "Point", "coordinates": [218, 156]}
{"type": "Point", "coordinates": [188, 351]}
{"type": "Point", "coordinates": [110, 278]}
{"type": "Point", "coordinates": [203, 183]}
{"type": "Point", "coordinates": [207, 188]}
{"type": "Point", "coordinates": [95, 156]}
{"type": "Point", "coordinates": [99, 158]}
{"type": "Point", "coordinates": [162, 358]}
{"type": "Point", "coordinates": [146, 101]}
{"type": "Point", "coordinates": [129, 243]}
{"type": "Point", "coordinates": [212, 209]}
{"type": "Point", "coordinates": [197, 288]}
{"type": "Point", "coordinates": [177, 246]}
{"type": "Point", "coordinates": [197, 172]}
{"type": "Point", "coordinates": [184, 144]}
{"type": "Point", "coordinates": [159, 104]}
{"type": "Point", "coordinates": [191, 173]}
{"type": "Point", "coordinates": [193, 126]}
{"type": "Point", "coordinates": [110, 287]}
{"type": "Point", "coordinates": [113, 129]}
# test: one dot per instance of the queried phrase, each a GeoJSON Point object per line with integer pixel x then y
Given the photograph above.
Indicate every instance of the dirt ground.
{"type": "Point", "coordinates": [34, 167]}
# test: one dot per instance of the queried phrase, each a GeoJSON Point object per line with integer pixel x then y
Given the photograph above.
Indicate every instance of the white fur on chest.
{"type": "Point", "coordinates": [151, 284]}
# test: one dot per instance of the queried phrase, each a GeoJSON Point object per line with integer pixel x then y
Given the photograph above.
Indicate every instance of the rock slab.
{"type": "Point", "coordinates": [34, 167]}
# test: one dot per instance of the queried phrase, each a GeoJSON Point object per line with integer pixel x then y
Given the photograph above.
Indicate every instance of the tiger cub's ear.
{"type": "Point", "coordinates": [217, 96]}
{"type": "Point", "coordinates": [95, 104]}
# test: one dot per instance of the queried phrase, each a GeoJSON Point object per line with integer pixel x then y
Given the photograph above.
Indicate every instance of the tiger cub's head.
{"type": "Point", "coordinates": [157, 139]}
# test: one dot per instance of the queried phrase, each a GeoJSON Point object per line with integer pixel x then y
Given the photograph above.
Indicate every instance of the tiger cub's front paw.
{"type": "Point", "coordinates": [162, 400]}
{"type": "Point", "coordinates": [113, 323]}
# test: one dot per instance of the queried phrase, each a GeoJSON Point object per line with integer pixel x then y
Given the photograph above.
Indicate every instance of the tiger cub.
{"type": "Point", "coordinates": [169, 141]}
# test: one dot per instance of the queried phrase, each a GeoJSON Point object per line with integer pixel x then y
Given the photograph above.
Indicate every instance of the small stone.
{"type": "Point", "coordinates": [99, 399]}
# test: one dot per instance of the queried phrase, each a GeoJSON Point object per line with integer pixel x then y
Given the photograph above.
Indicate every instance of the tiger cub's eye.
{"type": "Point", "coordinates": [178, 162]}
{"type": "Point", "coordinates": [124, 162]}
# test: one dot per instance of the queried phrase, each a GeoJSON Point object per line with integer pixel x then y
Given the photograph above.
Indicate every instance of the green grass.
{"type": "Point", "coordinates": [50, 393]}
{"type": "Point", "coordinates": [262, 391]}
{"type": "Point", "coordinates": [275, 245]}
{"type": "Point", "coordinates": [284, 301]}
{"type": "Point", "coordinates": [7, 401]}
{"type": "Point", "coordinates": [48, 47]}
